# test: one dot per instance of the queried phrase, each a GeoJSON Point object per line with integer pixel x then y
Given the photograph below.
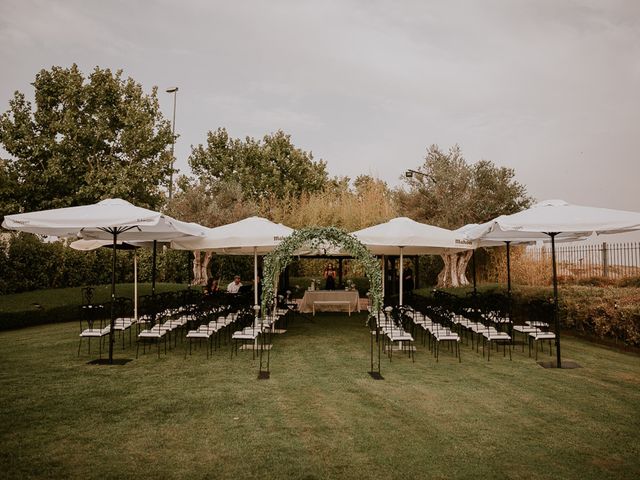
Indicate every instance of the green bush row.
{"type": "Point", "coordinates": [603, 312]}
{"type": "Point", "coordinates": [27, 263]}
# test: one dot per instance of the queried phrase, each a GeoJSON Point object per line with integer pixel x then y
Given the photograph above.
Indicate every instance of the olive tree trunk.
{"type": "Point", "coordinates": [201, 267]}
{"type": "Point", "coordinates": [454, 272]}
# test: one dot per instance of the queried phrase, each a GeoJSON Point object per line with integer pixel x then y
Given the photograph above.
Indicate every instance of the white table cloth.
{"type": "Point", "coordinates": [310, 296]}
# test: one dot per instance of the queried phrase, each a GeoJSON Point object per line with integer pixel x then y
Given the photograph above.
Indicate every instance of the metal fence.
{"type": "Point", "coordinates": [611, 260]}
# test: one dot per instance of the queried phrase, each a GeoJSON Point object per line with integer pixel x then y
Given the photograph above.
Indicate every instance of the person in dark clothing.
{"type": "Point", "coordinates": [407, 281]}
{"type": "Point", "coordinates": [330, 277]}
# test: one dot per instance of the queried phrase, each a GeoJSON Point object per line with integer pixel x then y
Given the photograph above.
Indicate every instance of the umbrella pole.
{"type": "Point", "coordinates": [508, 268]}
{"type": "Point", "coordinates": [401, 276]}
{"type": "Point", "coordinates": [556, 314]}
{"type": "Point", "coordinates": [384, 270]}
{"type": "Point", "coordinates": [509, 278]}
{"type": "Point", "coordinates": [153, 280]}
{"type": "Point", "coordinates": [189, 267]}
{"type": "Point", "coordinates": [473, 267]}
{"type": "Point", "coordinates": [135, 285]}
{"type": "Point", "coordinates": [255, 276]}
{"type": "Point", "coordinates": [113, 298]}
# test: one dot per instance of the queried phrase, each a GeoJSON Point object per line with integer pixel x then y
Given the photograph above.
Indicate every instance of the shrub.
{"type": "Point", "coordinates": [605, 312]}
{"type": "Point", "coordinates": [27, 263]}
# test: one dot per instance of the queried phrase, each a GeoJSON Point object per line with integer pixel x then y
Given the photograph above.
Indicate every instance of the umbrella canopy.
{"type": "Point", "coordinates": [402, 235]}
{"type": "Point", "coordinates": [246, 237]}
{"type": "Point", "coordinates": [570, 222]}
{"type": "Point", "coordinates": [101, 220]}
{"type": "Point", "coordinates": [112, 219]}
{"type": "Point", "coordinates": [88, 245]}
{"type": "Point", "coordinates": [415, 238]}
{"type": "Point", "coordinates": [251, 236]}
{"type": "Point", "coordinates": [557, 220]}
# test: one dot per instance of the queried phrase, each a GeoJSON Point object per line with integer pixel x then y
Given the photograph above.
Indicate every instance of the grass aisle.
{"type": "Point", "coordinates": [319, 416]}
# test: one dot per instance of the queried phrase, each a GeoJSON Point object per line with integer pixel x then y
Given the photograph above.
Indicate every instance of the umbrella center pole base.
{"type": "Point", "coordinates": [566, 364]}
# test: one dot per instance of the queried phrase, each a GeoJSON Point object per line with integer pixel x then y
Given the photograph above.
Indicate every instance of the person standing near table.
{"type": "Point", "coordinates": [330, 277]}
{"type": "Point", "coordinates": [407, 279]}
{"type": "Point", "coordinates": [234, 287]}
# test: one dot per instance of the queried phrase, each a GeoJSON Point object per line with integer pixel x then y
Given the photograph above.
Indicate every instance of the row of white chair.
{"type": "Point", "coordinates": [436, 333]}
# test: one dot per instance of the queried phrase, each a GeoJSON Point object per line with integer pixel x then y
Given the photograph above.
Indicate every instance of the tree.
{"type": "Point", "coordinates": [8, 187]}
{"type": "Point", "coordinates": [450, 193]}
{"type": "Point", "coordinates": [85, 139]}
{"type": "Point", "coordinates": [271, 167]}
{"type": "Point", "coordinates": [211, 206]}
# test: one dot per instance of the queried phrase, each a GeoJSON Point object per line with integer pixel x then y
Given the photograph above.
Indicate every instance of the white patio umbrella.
{"type": "Point", "coordinates": [405, 236]}
{"type": "Point", "coordinates": [112, 219]}
{"type": "Point", "coordinates": [251, 236]}
{"type": "Point", "coordinates": [558, 220]}
{"type": "Point", "coordinates": [474, 231]}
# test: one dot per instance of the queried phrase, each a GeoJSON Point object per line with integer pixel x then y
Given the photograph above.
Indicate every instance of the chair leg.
{"type": "Point", "coordinates": [79, 345]}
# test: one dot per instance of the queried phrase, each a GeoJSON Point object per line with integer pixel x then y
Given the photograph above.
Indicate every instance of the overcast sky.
{"type": "Point", "coordinates": [549, 88]}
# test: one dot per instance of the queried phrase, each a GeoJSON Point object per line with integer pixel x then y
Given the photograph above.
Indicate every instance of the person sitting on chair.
{"type": "Point", "coordinates": [234, 287]}
{"type": "Point", "coordinates": [330, 277]}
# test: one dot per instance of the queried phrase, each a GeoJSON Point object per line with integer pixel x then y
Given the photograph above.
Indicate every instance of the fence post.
{"type": "Point", "coordinates": [605, 260]}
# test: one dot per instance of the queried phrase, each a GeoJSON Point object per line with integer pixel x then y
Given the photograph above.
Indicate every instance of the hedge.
{"type": "Point", "coordinates": [603, 312]}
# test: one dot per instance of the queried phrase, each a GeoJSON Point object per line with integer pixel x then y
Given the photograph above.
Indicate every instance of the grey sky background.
{"type": "Point", "coordinates": [550, 88]}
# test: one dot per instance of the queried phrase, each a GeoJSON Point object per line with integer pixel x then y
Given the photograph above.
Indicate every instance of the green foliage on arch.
{"type": "Point", "coordinates": [321, 237]}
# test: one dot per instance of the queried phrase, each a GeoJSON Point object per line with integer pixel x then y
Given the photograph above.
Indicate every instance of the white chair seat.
{"type": "Point", "coordinates": [198, 334]}
{"type": "Point", "coordinates": [95, 332]}
{"type": "Point", "coordinates": [152, 333]}
{"type": "Point", "coordinates": [525, 328]}
{"type": "Point", "coordinates": [245, 335]}
{"type": "Point", "coordinates": [543, 335]}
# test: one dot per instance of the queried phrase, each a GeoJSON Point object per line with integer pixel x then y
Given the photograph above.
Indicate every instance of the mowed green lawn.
{"type": "Point", "coordinates": [320, 415]}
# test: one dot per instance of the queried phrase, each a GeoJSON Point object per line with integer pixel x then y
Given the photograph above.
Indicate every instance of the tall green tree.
{"type": "Point", "coordinates": [212, 206]}
{"type": "Point", "coordinates": [450, 192]}
{"type": "Point", "coordinates": [271, 167]}
{"type": "Point", "coordinates": [85, 139]}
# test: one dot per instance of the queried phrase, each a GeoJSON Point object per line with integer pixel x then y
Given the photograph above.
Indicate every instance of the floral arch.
{"type": "Point", "coordinates": [319, 237]}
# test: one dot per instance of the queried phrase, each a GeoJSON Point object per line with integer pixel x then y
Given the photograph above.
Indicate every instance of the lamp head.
{"type": "Point", "coordinates": [172, 90]}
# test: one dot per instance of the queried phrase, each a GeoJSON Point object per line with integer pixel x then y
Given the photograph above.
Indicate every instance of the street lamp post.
{"type": "Point", "coordinates": [173, 90]}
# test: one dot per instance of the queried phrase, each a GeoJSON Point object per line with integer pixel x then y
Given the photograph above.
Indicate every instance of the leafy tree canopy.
{"type": "Point", "coordinates": [211, 206]}
{"type": "Point", "coordinates": [452, 192]}
{"type": "Point", "coordinates": [84, 139]}
{"type": "Point", "coordinates": [263, 168]}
